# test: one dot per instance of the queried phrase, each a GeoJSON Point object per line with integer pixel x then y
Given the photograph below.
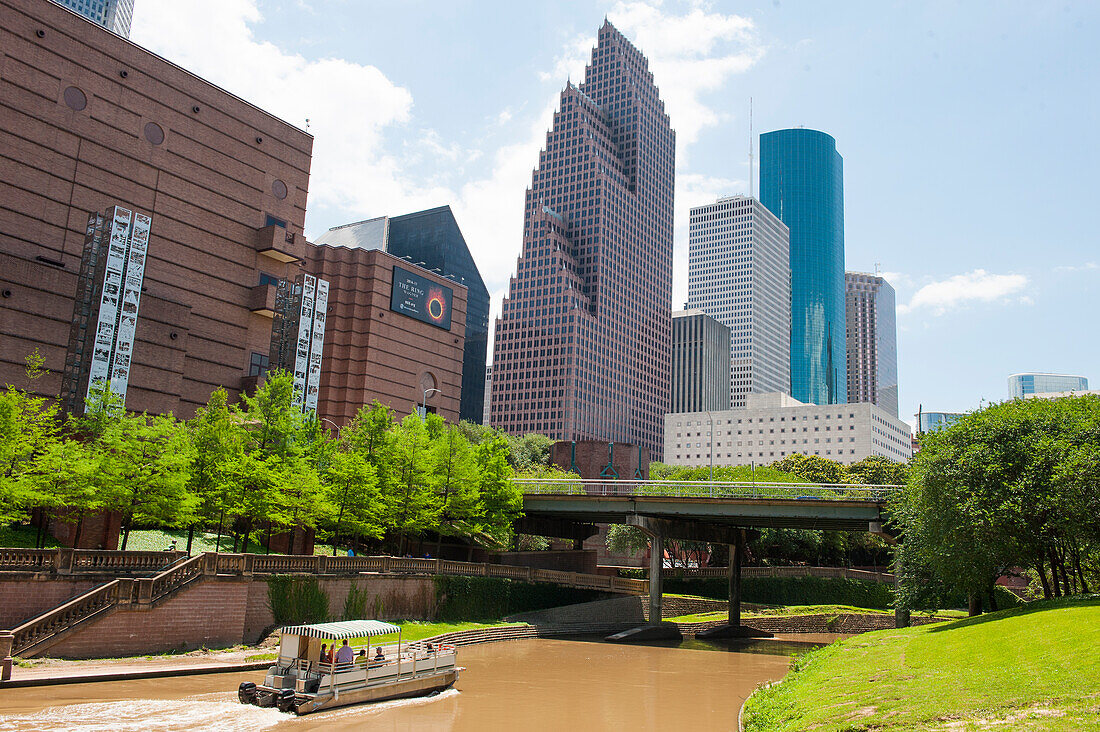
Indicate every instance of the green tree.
{"type": "Point", "coordinates": [1007, 486]}
{"type": "Point", "coordinates": [454, 479]}
{"type": "Point", "coordinates": [276, 475]}
{"type": "Point", "coordinates": [501, 501]}
{"type": "Point", "coordinates": [352, 485]}
{"type": "Point", "coordinates": [530, 453]}
{"type": "Point", "coordinates": [217, 439]}
{"type": "Point", "coordinates": [28, 427]}
{"type": "Point", "coordinates": [66, 481]}
{"type": "Point", "coordinates": [811, 468]}
{"type": "Point", "coordinates": [413, 507]}
{"type": "Point", "coordinates": [626, 540]}
{"type": "Point", "coordinates": [147, 463]}
{"type": "Point", "coordinates": [877, 470]}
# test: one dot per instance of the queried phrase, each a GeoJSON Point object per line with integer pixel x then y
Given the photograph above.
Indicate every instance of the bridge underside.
{"type": "Point", "coordinates": [719, 520]}
{"type": "Point", "coordinates": [839, 515]}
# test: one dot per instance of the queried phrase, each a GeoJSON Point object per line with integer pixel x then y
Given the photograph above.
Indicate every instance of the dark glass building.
{"type": "Point", "coordinates": [583, 342]}
{"type": "Point", "coordinates": [432, 239]}
{"type": "Point", "coordinates": [802, 182]}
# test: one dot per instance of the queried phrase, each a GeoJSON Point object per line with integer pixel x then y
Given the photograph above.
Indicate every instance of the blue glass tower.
{"type": "Point", "coordinates": [802, 182]}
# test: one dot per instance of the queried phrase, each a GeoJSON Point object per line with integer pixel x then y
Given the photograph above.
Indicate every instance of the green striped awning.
{"type": "Point", "coordinates": [342, 630]}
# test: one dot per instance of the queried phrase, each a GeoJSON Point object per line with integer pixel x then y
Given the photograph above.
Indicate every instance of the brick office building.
{"type": "Point", "coordinates": [583, 341]}
{"type": "Point", "coordinates": [89, 120]}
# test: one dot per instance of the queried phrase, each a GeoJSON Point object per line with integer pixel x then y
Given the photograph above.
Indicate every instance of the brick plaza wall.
{"type": "Point", "coordinates": [25, 595]}
{"type": "Point", "coordinates": [213, 613]}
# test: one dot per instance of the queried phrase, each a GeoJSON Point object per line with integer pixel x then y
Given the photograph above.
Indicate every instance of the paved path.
{"type": "Point", "coordinates": [76, 672]}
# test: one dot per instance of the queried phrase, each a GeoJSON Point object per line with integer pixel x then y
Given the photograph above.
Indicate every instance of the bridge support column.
{"type": "Point", "coordinates": [656, 628]}
{"type": "Point", "coordinates": [733, 627]}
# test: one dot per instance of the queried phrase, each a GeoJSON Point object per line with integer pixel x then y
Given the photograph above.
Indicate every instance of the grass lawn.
{"type": "Point", "coordinates": [23, 536]}
{"type": "Point", "coordinates": [1030, 668]}
{"type": "Point", "coordinates": [414, 630]}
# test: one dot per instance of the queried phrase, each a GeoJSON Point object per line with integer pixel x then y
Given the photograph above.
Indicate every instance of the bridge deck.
{"type": "Point", "coordinates": [805, 506]}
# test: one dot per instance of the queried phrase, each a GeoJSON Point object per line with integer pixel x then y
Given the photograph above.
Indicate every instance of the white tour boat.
{"type": "Point", "coordinates": [301, 682]}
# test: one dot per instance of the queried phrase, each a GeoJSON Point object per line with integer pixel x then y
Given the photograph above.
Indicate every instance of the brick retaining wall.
{"type": "Point", "coordinates": [214, 613]}
{"type": "Point", "coordinates": [847, 623]}
{"type": "Point", "coordinates": [25, 595]}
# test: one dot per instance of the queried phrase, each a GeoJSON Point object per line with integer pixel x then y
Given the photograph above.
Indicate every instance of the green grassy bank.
{"type": "Point", "coordinates": [1030, 668]}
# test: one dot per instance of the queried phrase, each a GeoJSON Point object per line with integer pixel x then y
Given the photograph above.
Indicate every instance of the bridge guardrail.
{"type": "Point", "coordinates": [705, 489]}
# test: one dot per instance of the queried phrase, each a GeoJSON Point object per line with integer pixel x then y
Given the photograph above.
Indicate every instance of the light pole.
{"type": "Point", "coordinates": [427, 393]}
{"type": "Point", "coordinates": [710, 418]}
{"type": "Point", "coordinates": [334, 425]}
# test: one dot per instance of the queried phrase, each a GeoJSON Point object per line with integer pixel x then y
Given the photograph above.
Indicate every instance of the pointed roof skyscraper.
{"type": "Point", "coordinates": [582, 347]}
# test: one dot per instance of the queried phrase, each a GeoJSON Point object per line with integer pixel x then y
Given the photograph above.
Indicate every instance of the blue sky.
{"type": "Point", "coordinates": [968, 130]}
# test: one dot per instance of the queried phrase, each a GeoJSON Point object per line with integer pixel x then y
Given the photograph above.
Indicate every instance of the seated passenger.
{"type": "Point", "coordinates": [361, 659]}
{"type": "Point", "coordinates": [378, 655]}
{"type": "Point", "coordinates": [346, 654]}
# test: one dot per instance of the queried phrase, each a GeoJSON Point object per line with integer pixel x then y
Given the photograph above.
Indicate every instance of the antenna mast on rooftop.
{"type": "Point", "coordinates": [750, 148]}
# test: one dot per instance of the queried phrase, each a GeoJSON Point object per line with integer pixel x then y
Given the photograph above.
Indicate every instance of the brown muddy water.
{"type": "Point", "coordinates": [535, 684]}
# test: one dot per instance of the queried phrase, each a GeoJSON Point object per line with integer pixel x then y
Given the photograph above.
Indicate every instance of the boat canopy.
{"type": "Point", "coordinates": [342, 630]}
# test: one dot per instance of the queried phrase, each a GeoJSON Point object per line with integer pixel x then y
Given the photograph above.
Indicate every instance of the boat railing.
{"type": "Point", "coordinates": [412, 660]}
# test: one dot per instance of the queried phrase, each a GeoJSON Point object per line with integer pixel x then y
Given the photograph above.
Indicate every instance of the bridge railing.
{"type": "Point", "coordinates": [705, 489]}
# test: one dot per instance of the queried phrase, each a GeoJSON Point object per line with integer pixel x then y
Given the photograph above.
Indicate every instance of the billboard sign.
{"type": "Point", "coordinates": [420, 298]}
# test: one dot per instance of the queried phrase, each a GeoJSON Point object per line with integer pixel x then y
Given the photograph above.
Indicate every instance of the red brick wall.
{"type": "Point", "coordinates": [372, 352]}
{"type": "Point", "coordinates": [209, 615]}
{"type": "Point", "coordinates": [22, 597]}
{"type": "Point", "coordinates": [208, 187]}
{"type": "Point", "coordinates": [214, 613]}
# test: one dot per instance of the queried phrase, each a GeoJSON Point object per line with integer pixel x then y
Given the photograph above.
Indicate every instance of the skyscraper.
{"type": "Point", "coordinates": [1021, 385]}
{"type": "Point", "coordinates": [432, 239]}
{"type": "Point", "coordinates": [739, 273]}
{"type": "Point", "coordinates": [802, 182]}
{"type": "Point", "coordinates": [114, 15]}
{"type": "Point", "coordinates": [872, 341]}
{"type": "Point", "coordinates": [700, 363]}
{"type": "Point", "coordinates": [582, 346]}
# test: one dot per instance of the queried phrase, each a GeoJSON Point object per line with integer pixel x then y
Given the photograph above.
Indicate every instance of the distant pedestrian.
{"type": "Point", "coordinates": [351, 551]}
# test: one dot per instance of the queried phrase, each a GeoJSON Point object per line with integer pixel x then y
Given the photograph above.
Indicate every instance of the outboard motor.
{"type": "Point", "coordinates": [246, 692]}
{"type": "Point", "coordinates": [285, 700]}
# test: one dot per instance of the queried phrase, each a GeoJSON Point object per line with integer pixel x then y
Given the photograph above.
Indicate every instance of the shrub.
{"type": "Point", "coordinates": [296, 600]}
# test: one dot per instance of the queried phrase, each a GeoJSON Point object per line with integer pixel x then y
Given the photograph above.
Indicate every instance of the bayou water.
{"type": "Point", "coordinates": [535, 684]}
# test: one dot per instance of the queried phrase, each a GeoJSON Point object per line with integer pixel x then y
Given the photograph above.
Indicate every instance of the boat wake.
{"type": "Point", "coordinates": [210, 711]}
{"type": "Point", "coordinates": [219, 711]}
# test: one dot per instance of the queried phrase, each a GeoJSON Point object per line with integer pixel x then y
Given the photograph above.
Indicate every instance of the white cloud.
{"type": "Point", "coordinates": [689, 55]}
{"type": "Point", "coordinates": [1077, 267]}
{"type": "Point", "coordinates": [963, 289]}
{"type": "Point", "coordinates": [897, 279]}
{"type": "Point", "coordinates": [372, 156]}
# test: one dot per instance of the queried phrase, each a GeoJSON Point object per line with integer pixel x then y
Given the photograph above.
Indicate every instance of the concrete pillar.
{"type": "Point", "coordinates": [7, 640]}
{"type": "Point", "coordinates": [656, 559]}
{"type": "Point", "coordinates": [736, 550]}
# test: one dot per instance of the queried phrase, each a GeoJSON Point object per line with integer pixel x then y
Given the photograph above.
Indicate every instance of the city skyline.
{"type": "Point", "coordinates": [968, 279]}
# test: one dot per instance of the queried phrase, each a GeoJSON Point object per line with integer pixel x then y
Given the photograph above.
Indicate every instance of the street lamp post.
{"type": "Point", "coordinates": [710, 418]}
{"type": "Point", "coordinates": [427, 393]}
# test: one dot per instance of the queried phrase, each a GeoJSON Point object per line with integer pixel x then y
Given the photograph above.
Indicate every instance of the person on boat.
{"type": "Point", "coordinates": [378, 655]}
{"type": "Point", "coordinates": [326, 657]}
{"type": "Point", "coordinates": [429, 647]}
{"type": "Point", "coordinates": [346, 654]}
{"type": "Point", "coordinates": [361, 658]}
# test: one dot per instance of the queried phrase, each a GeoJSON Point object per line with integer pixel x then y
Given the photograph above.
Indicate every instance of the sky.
{"type": "Point", "coordinates": [968, 129]}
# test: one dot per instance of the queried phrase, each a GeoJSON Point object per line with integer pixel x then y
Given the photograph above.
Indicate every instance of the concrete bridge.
{"type": "Point", "coordinates": [716, 512]}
